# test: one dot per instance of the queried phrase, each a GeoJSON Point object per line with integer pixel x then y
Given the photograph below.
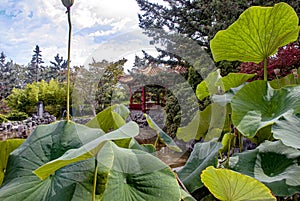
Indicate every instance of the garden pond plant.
{"type": "Point", "coordinates": [102, 161]}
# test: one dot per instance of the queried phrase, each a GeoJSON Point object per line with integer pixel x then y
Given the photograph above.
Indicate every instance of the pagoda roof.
{"type": "Point", "coordinates": [151, 71]}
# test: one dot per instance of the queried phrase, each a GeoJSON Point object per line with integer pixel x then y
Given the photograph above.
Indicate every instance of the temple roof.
{"type": "Point", "coordinates": [151, 71]}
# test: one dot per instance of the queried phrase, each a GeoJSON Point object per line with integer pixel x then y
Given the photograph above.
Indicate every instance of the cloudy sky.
{"type": "Point", "coordinates": [98, 28]}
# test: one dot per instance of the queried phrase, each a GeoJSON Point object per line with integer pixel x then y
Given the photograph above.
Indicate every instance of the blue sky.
{"type": "Point", "coordinates": [27, 23]}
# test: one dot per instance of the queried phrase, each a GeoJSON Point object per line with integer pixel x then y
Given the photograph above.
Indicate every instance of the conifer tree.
{"type": "Point", "coordinates": [35, 69]}
{"type": "Point", "coordinates": [2, 58]}
{"type": "Point", "coordinates": [58, 69]}
{"type": "Point", "coordinates": [195, 19]}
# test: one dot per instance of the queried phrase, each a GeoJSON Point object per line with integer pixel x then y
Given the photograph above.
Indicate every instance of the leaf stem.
{"type": "Point", "coordinates": [68, 71]}
{"type": "Point", "coordinates": [180, 183]}
{"type": "Point", "coordinates": [95, 180]}
{"type": "Point", "coordinates": [265, 70]}
{"type": "Point", "coordinates": [156, 141]}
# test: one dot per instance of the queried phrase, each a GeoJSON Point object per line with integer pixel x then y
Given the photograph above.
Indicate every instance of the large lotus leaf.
{"type": "Point", "coordinates": [257, 34]}
{"type": "Point", "coordinates": [257, 105]}
{"type": "Point", "coordinates": [163, 137]}
{"type": "Point", "coordinates": [112, 117]}
{"type": "Point", "coordinates": [226, 184]}
{"type": "Point", "coordinates": [225, 99]}
{"type": "Point", "coordinates": [207, 124]}
{"type": "Point", "coordinates": [149, 148]}
{"type": "Point", "coordinates": [214, 83]}
{"type": "Point", "coordinates": [46, 143]}
{"type": "Point", "coordinates": [233, 80]}
{"type": "Point", "coordinates": [185, 196]}
{"type": "Point", "coordinates": [122, 110]}
{"type": "Point", "coordinates": [287, 129]}
{"type": "Point", "coordinates": [135, 175]}
{"type": "Point", "coordinates": [288, 80]}
{"type": "Point", "coordinates": [274, 164]}
{"type": "Point", "coordinates": [86, 151]}
{"type": "Point", "coordinates": [263, 134]}
{"type": "Point", "coordinates": [203, 155]}
{"type": "Point", "coordinates": [209, 197]}
{"type": "Point", "coordinates": [208, 85]}
{"type": "Point", "coordinates": [6, 147]}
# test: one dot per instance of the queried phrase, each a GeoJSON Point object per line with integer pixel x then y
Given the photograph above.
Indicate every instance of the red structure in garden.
{"type": "Point", "coordinates": [146, 92]}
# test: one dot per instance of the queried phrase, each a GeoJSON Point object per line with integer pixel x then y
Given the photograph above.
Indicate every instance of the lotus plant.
{"type": "Point", "coordinates": [68, 4]}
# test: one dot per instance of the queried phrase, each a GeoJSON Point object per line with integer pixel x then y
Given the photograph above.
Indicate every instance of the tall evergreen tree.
{"type": "Point", "coordinates": [58, 69]}
{"type": "Point", "coordinates": [2, 58]}
{"type": "Point", "coordinates": [183, 27]}
{"type": "Point", "coordinates": [10, 78]}
{"type": "Point", "coordinates": [198, 20]}
{"type": "Point", "coordinates": [35, 69]}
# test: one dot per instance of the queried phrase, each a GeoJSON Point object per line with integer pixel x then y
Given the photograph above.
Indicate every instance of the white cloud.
{"type": "Point", "coordinates": [27, 23]}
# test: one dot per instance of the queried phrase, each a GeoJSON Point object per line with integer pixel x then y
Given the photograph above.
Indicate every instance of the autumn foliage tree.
{"type": "Point", "coordinates": [285, 60]}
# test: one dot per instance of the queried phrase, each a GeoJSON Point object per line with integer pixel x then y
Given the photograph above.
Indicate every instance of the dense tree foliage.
{"type": "Point", "coordinates": [168, 21]}
{"type": "Point", "coordinates": [53, 95]}
{"type": "Point", "coordinates": [11, 76]}
{"type": "Point", "coordinates": [14, 75]}
{"type": "Point", "coordinates": [195, 19]}
{"type": "Point", "coordinates": [107, 85]}
{"type": "Point", "coordinates": [94, 85]}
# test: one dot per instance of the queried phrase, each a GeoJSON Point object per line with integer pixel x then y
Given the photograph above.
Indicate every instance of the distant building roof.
{"type": "Point", "coordinates": [151, 71]}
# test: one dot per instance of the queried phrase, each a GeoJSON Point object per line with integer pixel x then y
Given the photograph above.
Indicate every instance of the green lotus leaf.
{"type": "Point", "coordinates": [257, 34]}
{"type": "Point", "coordinates": [227, 142]}
{"type": "Point", "coordinates": [46, 143]}
{"type": "Point", "coordinates": [203, 155]}
{"type": "Point", "coordinates": [122, 110]}
{"type": "Point", "coordinates": [288, 80]}
{"type": "Point", "coordinates": [257, 105]}
{"type": "Point", "coordinates": [214, 83]}
{"type": "Point", "coordinates": [6, 147]}
{"type": "Point", "coordinates": [209, 197]}
{"type": "Point", "coordinates": [207, 124]}
{"type": "Point", "coordinates": [86, 151]}
{"type": "Point", "coordinates": [163, 137]}
{"type": "Point", "coordinates": [208, 85]}
{"type": "Point", "coordinates": [287, 129]}
{"type": "Point", "coordinates": [274, 164]}
{"type": "Point", "coordinates": [149, 148]}
{"type": "Point", "coordinates": [112, 117]}
{"type": "Point", "coordinates": [234, 80]}
{"type": "Point", "coordinates": [185, 196]}
{"type": "Point", "coordinates": [226, 184]}
{"type": "Point", "coordinates": [263, 134]}
{"type": "Point", "coordinates": [135, 175]}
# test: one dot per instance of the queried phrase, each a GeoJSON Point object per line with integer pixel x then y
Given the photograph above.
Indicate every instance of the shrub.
{"type": "Point", "coordinates": [2, 118]}
{"type": "Point", "coordinates": [17, 116]}
{"type": "Point", "coordinates": [52, 94]}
